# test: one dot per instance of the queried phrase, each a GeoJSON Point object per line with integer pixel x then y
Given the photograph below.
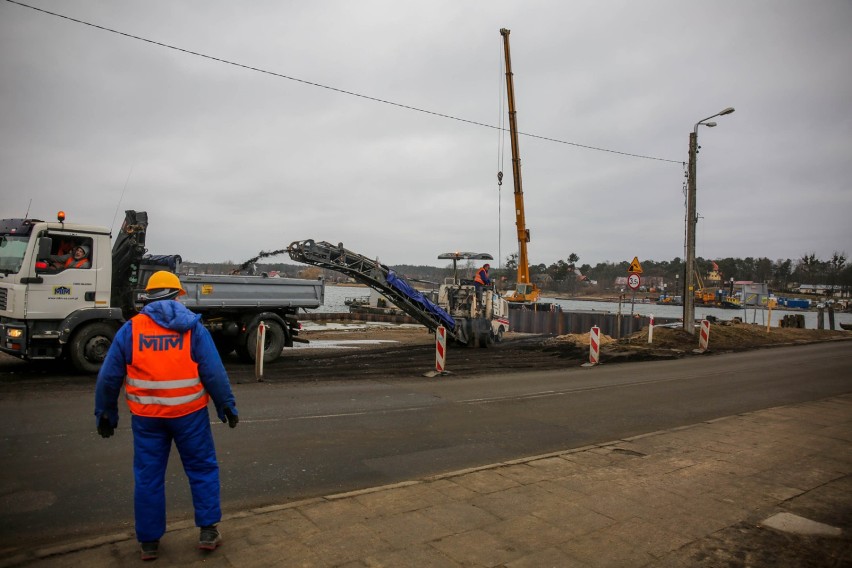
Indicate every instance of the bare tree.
{"type": "Point", "coordinates": [835, 266]}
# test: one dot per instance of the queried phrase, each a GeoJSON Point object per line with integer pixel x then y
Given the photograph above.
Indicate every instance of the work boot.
{"type": "Point", "coordinates": [209, 538]}
{"type": "Point", "coordinates": [150, 550]}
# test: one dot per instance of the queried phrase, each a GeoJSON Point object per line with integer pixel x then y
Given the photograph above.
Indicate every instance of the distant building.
{"type": "Point", "coordinates": [543, 280]}
{"type": "Point", "coordinates": [819, 289]}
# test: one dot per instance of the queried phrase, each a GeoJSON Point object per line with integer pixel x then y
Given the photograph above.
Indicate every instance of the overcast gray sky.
{"type": "Point", "coordinates": [229, 161]}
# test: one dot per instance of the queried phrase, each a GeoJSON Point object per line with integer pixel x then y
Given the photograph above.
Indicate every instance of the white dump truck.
{"type": "Point", "coordinates": [52, 307]}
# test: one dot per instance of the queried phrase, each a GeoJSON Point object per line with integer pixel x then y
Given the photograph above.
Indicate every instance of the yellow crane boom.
{"type": "Point", "coordinates": [525, 291]}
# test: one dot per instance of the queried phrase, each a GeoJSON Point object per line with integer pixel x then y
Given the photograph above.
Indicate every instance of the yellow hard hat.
{"type": "Point", "coordinates": [163, 279]}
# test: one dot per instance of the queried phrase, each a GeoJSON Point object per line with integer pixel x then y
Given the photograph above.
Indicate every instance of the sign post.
{"type": "Point", "coordinates": [634, 281]}
{"type": "Point", "coordinates": [260, 347]}
{"type": "Point", "coordinates": [704, 337]}
{"type": "Point", "coordinates": [594, 347]}
{"type": "Point", "coordinates": [651, 330]}
{"type": "Point", "coordinates": [440, 349]}
{"type": "Point", "coordinates": [440, 353]}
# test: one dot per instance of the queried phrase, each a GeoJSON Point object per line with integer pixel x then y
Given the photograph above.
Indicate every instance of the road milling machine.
{"type": "Point", "coordinates": [453, 305]}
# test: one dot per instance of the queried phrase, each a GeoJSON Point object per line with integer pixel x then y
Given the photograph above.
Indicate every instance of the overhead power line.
{"type": "Point", "coordinates": [335, 89]}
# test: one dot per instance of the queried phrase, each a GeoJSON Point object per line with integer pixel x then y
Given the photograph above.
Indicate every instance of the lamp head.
{"type": "Point", "coordinates": [710, 124]}
{"type": "Point", "coordinates": [728, 110]}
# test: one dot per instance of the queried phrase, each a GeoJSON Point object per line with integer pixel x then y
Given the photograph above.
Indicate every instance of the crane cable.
{"type": "Point", "coordinates": [501, 152]}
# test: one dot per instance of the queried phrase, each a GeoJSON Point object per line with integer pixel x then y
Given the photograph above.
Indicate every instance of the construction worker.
{"type": "Point", "coordinates": [79, 258]}
{"type": "Point", "coordinates": [172, 369]}
{"type": "Point", "coordinates": [480, 281]}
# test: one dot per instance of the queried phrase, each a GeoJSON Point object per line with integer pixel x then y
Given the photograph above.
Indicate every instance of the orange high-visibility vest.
{"type": "Point", "coordinates": [78, 264]}
{"type": "Point", "coordinates": [162, 381]}
{"type": "Point", "coordinates": [480, 276]}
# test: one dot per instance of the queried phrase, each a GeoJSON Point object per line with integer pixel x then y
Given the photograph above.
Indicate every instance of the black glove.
{"type": "Point", "coordinates": [233, 419]}
{"type": "Point", "coordinates": [105, 429]}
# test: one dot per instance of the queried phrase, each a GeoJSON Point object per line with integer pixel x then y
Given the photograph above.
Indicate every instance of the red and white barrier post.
{"type": "Point", "coordinates": [704, 336]}
{"type": "Point", "coordinates": [440, 350]}
{"type": "Point", "coordinates": [594, 347]}
{"type": "Point", "coordinates": [259, 348]}
{"type": "Point", "coordinates": [651, 329]}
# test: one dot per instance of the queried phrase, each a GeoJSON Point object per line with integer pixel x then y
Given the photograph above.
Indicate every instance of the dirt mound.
{"type": "Point", "coordinates": [579, 339]}
{"type": "Point", "coordinates": [728, 336]}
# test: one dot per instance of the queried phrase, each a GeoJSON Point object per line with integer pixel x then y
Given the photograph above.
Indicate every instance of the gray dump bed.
{"type": "Point", "coordinates": [208, 291]}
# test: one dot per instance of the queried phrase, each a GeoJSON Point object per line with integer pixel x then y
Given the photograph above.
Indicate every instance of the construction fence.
{"type": "Point", "coordinates": [559, 322]}
{"type": "Point", "coordinates": [543, 322]}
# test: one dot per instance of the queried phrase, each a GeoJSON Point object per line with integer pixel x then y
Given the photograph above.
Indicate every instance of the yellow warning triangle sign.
{"type": "Point", "coordinates": [635, 266]}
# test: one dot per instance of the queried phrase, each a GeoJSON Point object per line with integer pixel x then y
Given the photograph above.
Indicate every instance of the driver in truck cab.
{"type": "Point", "coordinates": [79, 258]}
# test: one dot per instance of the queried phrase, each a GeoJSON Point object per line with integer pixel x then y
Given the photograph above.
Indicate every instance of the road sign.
{"type": "Point", "coordinates": [635, 266]}
{"type": "Point", "coordinates": [633, 281]}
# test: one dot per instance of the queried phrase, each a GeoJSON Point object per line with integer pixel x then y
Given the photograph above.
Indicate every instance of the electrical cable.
{"type": "Point", "coordinates": [121, 197]}
{"type": "Point", "coordinates": [335, 89]}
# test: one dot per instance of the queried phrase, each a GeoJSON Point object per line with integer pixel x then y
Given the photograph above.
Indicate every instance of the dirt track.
{"type": "Point", "coordinates": [409, 351]}
{"type": "Point", "coordinates": [412, 352]}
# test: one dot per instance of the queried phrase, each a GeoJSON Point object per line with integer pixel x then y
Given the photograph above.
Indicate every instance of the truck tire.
{"type": "Point", "coordinates": [275, 340]}
{"type": "Point", "coordinates": [89, 345]}
{"type": "Point", "coordinates": [498, 337]}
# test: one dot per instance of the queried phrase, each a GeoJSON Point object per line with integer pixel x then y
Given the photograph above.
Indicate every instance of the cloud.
{"type": "Point", "coordinates": [230, 161]}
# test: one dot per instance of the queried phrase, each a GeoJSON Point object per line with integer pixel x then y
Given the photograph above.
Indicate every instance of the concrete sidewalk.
{"type": "Point", "coordinates": [767, 488]}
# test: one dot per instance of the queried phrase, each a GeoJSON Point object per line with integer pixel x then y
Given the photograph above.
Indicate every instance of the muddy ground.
{"type": "Point", "coordinates": [409, 351]}
{"type": "Point", "coordinates": [394, 352]}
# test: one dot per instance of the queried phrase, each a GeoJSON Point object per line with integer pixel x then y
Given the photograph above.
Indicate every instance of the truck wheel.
{"type": "Point", "coordinates": [273, 345]}
{"type": "Point", "coordinates": [498, 337]}
{"type": "Point", "coordinates": [89, 346]}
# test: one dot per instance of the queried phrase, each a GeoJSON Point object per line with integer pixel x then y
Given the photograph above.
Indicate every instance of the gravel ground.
{"type": "Point", "coordinates": [376, 351]}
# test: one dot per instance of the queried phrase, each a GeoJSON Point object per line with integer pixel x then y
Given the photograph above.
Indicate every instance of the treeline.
{"type": "Point", "coordinates": [780, 274]}
{"type": "Point", "coordinates": [570, 276]}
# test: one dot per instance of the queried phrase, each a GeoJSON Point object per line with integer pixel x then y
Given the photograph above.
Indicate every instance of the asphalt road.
{"type": "Point", "coordinates": [60, 480]}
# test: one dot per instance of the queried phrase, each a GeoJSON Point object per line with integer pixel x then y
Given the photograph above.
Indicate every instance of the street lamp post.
{"type": "Point", "coordinates": [691, 221]}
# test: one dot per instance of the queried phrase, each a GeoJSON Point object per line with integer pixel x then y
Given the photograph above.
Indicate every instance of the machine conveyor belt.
{"type": "Point", "coordinates": [375, 275]}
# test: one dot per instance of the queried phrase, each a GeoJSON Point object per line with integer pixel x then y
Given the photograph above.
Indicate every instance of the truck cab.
{"type": "Point", "coordinates": [50, 301]}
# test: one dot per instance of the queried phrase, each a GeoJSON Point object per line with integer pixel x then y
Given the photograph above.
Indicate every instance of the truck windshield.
{"type": "Point", "coordinates": [12, 249]}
